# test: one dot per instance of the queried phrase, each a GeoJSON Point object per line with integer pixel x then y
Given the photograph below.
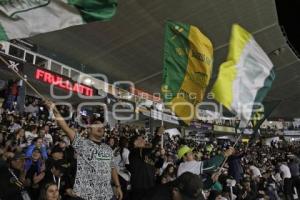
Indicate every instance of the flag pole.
{"type": "Point", "coordinates": [162, 124]}
{"type": "Point", "coordinates": [236, 142]}
{"type": "Point", "coordinates": [32, 87]}
{"type": "Point", "coordinates": [21, 77]}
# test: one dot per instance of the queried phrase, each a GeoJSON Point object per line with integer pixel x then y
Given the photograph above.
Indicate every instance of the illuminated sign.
{"type": "Point", "coordinates": [63, 83]}
{"type": "Point", "coordinates": [145, 95]}
{"type": "Point", "coordinates": [225, 129]}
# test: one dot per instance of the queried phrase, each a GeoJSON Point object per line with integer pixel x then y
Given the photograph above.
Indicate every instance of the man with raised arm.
{"type": "Point", "coordinates": [95, 164]}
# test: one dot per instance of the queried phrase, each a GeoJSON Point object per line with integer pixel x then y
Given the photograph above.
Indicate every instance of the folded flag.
{"type": "Point", "coordinates": [188, 58]}
{"type": "Point", "coordinates": [21, 19]}
{"type": "Point", "coordinates": [245, 78]}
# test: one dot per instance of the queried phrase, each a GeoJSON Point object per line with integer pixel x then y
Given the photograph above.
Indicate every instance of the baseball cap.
{"type": "Point", "coordinates": [190, 186]}
{"type": "Point", "coordinates": [97, 117]}
{"type": "Point", "coordinates": [57, 149]}
{"type": "Point", "coordinates": [183, 150]}
{"type": "Point", "coordinates": [60, 165]}
{"type": "Point", "coordinates": [37, 149]}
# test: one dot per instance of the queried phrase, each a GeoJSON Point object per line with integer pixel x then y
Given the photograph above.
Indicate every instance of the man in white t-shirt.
{"type": "Point", "coordinates": [96, 167]}
{"type": "Point", "coordinates": [287, 178]}
{"type": "Point", "coordinates": [31, 134]}
{"type": "Point", "coordinates": [47, 137]}
{"type": "Point", "coordinates": [255, 172]}
{"type": "Point", "coordinates": [189, 163]}
{"type": "Point", "coordinates": [285, 171]}
{"type": "Point", "coordinates": [32, 108]}
{"type": "Point", "coordinates": [14, 126]}
{"type": "Point", "coordinates": [121, 155]}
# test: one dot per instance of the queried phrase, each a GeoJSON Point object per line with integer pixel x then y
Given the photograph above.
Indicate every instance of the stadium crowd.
{"type": "Point", "coordinates": [44, 158]}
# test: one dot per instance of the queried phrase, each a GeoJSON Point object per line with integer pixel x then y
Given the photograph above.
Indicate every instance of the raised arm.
{"type": "Point", "coordinates": [216, 161]}
{"type": "Point", "coordinates": [60, 120]}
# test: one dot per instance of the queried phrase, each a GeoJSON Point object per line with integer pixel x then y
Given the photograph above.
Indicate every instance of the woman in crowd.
{"type": "Point", "coordinates": [122, 159]}
{"type": "Point", "coordinates": [169, 174]}
{"type": "Point", "coordinates": [50, 192]}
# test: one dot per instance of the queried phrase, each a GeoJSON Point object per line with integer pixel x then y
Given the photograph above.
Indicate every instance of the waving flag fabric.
{"type": "Point", "coordinates": [188, 57]}
{"type": "Point", "coordinates": [246, 77]}
{"type": "Point", "coordinates": [25, 18]}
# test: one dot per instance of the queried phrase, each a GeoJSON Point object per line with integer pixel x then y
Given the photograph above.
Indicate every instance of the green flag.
{"type": "Point", "coordinates": [21, 19]}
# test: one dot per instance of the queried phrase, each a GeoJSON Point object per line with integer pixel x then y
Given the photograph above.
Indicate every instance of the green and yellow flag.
{"type": "Point", "coordinates": [188, 58]}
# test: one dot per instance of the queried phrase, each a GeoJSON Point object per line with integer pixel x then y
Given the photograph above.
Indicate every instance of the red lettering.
{"type": "Point", "coordinates": [48, 78]}
{"type": "Point", "coordinates": [68, 85]}
{"type": "Point", "coordinates": [63, 85]}
{"type": "Point", "coordinates": [60, 82]}
{"type": "Point", "coordinates": [39, 74]}
{"type": "Point", "coordinates": [80, 89]}
{"type": "Point", "coordinates": [75, 88]}
{"type": "Point", "coordinates": [57, 80]}
{"type": "Point", "coordinates": [89, 92]}
{"type": "Point", "coordinates": [83, 90]}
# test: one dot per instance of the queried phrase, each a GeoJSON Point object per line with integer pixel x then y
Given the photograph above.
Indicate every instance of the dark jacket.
{"type": "Point", "coordinates": [8, 189]}
{"type": "Point", "coordinates": [235, 167]}
{"type": "Point", "coordinates": [142, 172]}
{"type": "Point", "coordinates": [160, 192]}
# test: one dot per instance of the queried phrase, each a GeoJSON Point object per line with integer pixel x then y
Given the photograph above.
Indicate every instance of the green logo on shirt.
{"type": "Point", "coordinates": [98, 157]}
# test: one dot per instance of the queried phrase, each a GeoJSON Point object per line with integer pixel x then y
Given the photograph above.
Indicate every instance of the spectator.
{"type": "Point", "coordinates": [235, 167]}
{"type": "Point", "coordinates": [14, 125]}
{"type": "Point", "coordinates": [12, 179]}
{"type": "Point", "coordinates": [287, 178]}
{"type": "Point", "coordinates": [122, 158]}
{"type": "Point", "coordinates": [169, 174]}
{"type": "Point", "coordinates": [37, 143]}
{"type": "Point", "coordinates": [19, 138]}
{"type": "Point", "coordinates": [50, 192]}
{"type": "Point", "coordinates": [32, 108]}
{"type": "Point", "coordinates": [188, 186]}
{"type": "Point", "coordinates": [112, 143]}
{"type": "Point", "coordinates": [57, 174]}
{"type": "Point", "coordinates": [31, 133]}
{"type": "Point", "coordinates": [294, 166]}
{"type": "Point", "coordinates": [189, 163]}
{"type": "Point", "coordinates": [141, 167]}
{"type": "Point", "coordinates": [35, 172]}
{"type": "Point", "coordinates": [95, 164]}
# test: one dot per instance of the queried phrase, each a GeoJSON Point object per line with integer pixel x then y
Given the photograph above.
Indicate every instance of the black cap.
{"type": "Point", "coordinates": [57, 149]}
{"type": "Point", "coordinates": [37, 149]}
{"type": "Point", "coordinates": [60, 165]}
{"type": "Point", "coordinates": [97, 118]}
{"type": "Point", "coordinates": [190, 186]}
